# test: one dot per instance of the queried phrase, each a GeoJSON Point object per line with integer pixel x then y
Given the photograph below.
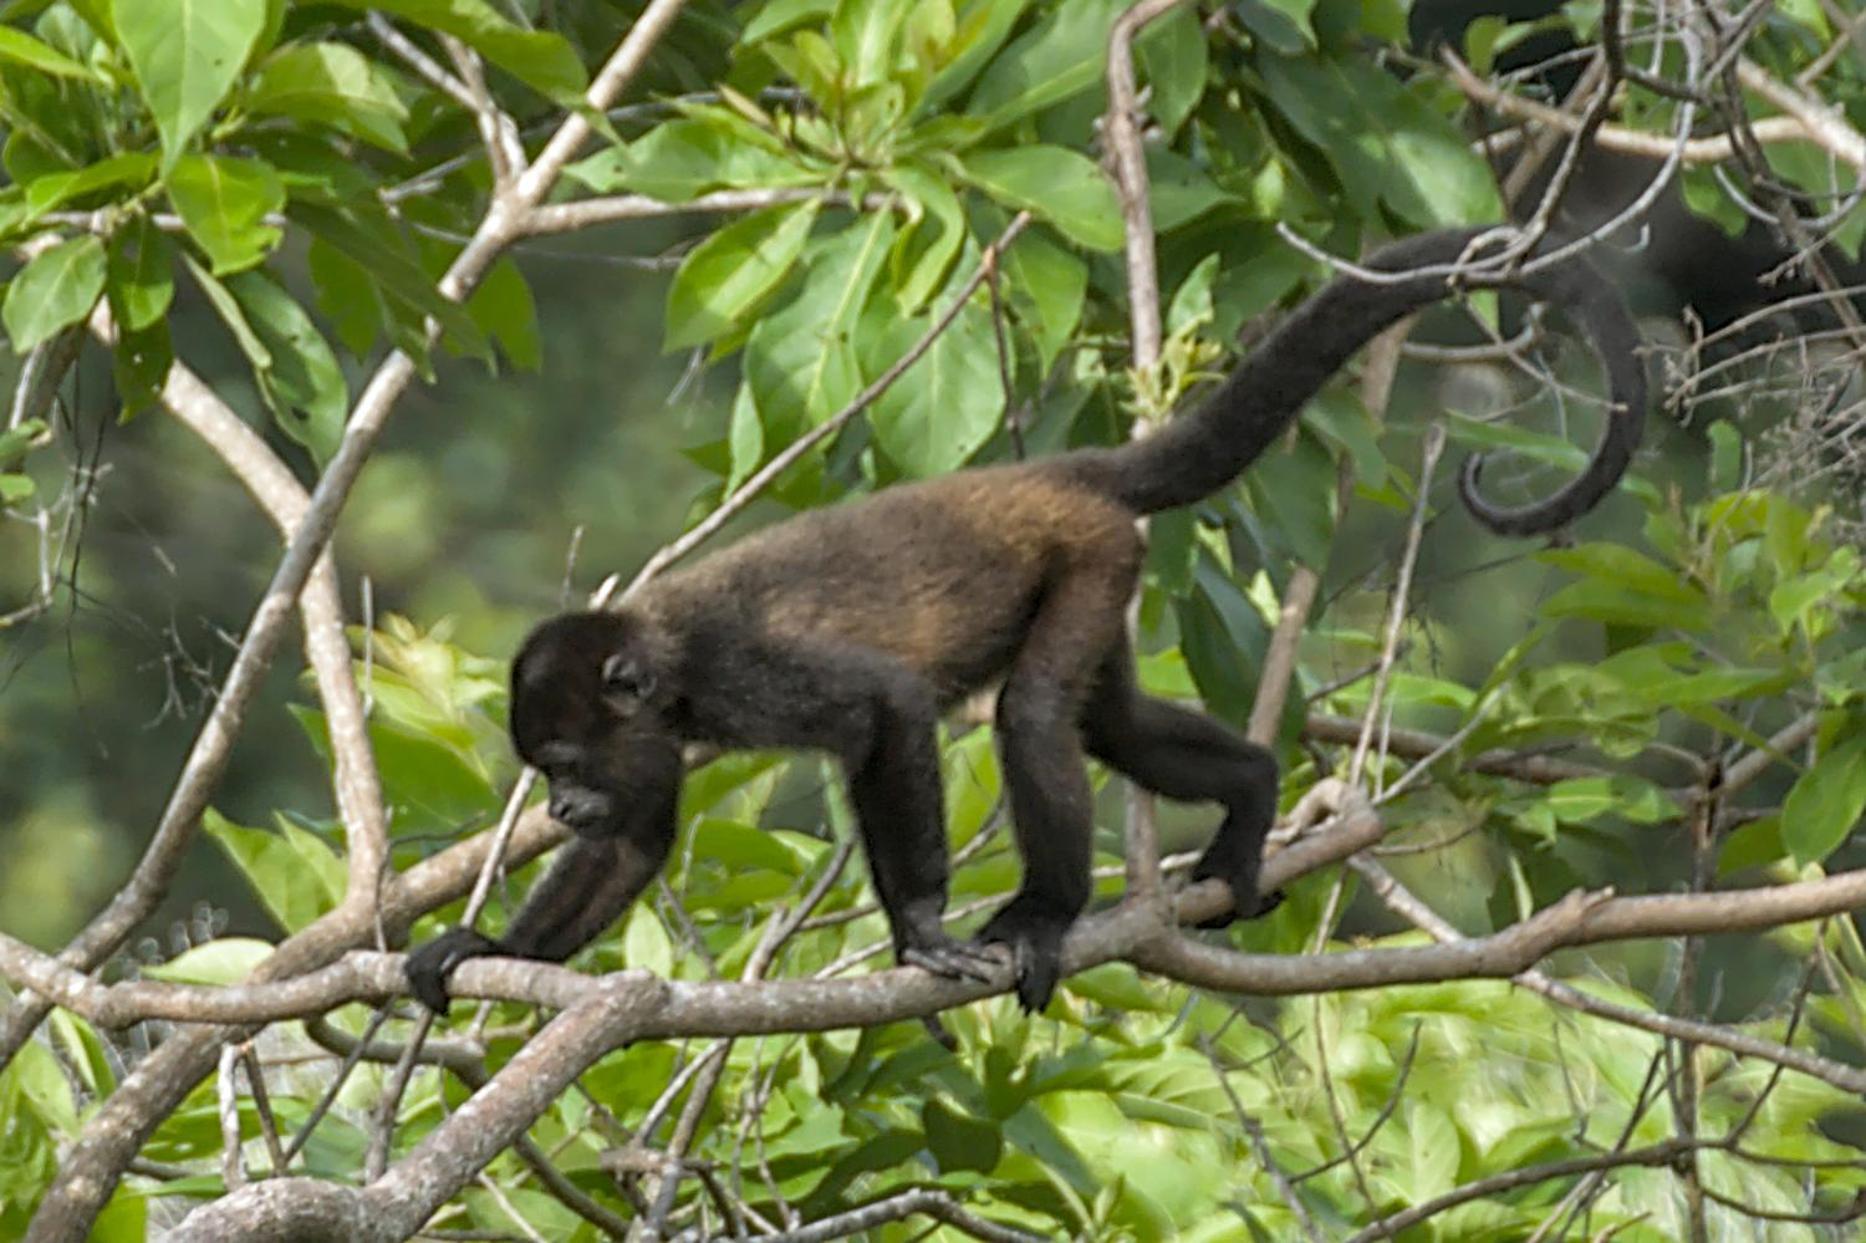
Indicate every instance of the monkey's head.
{"type": "Point", "coordinates": [590, 694]}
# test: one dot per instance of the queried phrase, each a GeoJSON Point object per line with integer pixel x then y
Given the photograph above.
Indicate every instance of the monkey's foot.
{"type": "Point", "coordinates": [1246, 901]}
{"type": "Point", "coordinates": [429, 967]}
{"type": "Point", "coordinates": [1035, 938]}
{"type": "Point", "coordinates": [950, 960]}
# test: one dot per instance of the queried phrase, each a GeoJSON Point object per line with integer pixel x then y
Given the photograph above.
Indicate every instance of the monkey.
{"type": "Point", "coordinates": [850, 629]}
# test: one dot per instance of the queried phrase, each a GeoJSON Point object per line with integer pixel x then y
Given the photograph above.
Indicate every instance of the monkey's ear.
{"type": "Point", "coordinates": [625, 675]}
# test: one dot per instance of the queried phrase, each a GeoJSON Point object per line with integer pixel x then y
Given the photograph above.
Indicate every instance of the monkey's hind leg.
{"type": "Point", "coordinates": [1046, 772]}
{"type": "Point", "coordinates": [1187, 756]}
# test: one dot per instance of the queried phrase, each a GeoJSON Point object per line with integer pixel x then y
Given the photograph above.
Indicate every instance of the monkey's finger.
{"type": "Point", "coordinates": [954, 962]}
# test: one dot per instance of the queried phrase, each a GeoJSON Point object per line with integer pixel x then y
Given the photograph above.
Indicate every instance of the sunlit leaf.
{"type": "Point", "coordinates": [187, 55]}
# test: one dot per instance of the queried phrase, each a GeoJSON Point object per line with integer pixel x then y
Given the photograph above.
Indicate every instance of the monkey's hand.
{"type": "Point", "coordinates": [1035, 938]}
{"type": "Point", "coordinates": [428, 967]}
{"type": "Point", "coordinates": [948, 959]}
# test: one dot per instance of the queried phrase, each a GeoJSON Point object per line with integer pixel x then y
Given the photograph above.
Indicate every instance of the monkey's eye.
{"type": "Point", "coordinates": [627, 676]}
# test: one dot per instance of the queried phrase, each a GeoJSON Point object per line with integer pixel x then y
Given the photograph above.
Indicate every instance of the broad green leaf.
{"type": "Point", "coordinates": [801, 365]}
{"type": "Point", "coordinates": [980, 31]}
{"type": "Point", "coordinates": [746, 438]}
{"type": "Point", "coordinates": [679, 160]}
{"type": "Point", "coordinates": [1386, 144]}
{"type": "Point", "coordinates": [142, 274]}
{"type": "Point", "coordinates": [540, 59]}
{"type": "Point", "coordinates": [231, 314]}
{"type": "Point", "coordinates": [1179, 190]}
{"type": "Point", "coordinates": [56, 290]}
{"type": "Point", "coordinates": [1056, 184]}
{"type": "Point", "coordinates": [1174, 62]}
{"type": "Point", "coordinates": [187, 55]}
{"type": "Point", "coordinates": [1826, 803]}
{"type": "Point", "coordinates": [1046, 287]}
{"type": "Point", "coordinates": [1282, 24]}
{"type": "Point", "coordinates": [332, 84]}
{"type": "Point", "coordinates": [503, 309]}
{"type": "Point", "coordinates": [304, 384]}
{"type": "Point", "coordinates": [140, 364]}
{"type": "Point", "coordinates": [1223, 637]}
{"type": "Point", "coordinates": [732, 271]}
{"type": "Point", "coordinates": [645, 943]}
{"type": "Point", "coordinates": [1582, 799]}
{"type": "Point", "coordinates": [296, 876]}
{"type": "Point", "coordinates": [920, 262]}
{"type": "Point", "coordinates": [16, 488]}
{"type": "Point", "coordinates": [224, 202]}
{"type": "Point", "coordinates": [22, 49]}
{"type": "Point", "coordinates": [224, 960]}
{"type": "Point", "coordinates": [780, 17]}
{"type": "Point", "coordinates": [1618, 564]}
{"type": "Point", "coordinates": [16, 441]}
{"type": "Point", "coordinates": [1064, 54]}
{"type": "Point", "coordinates": [1606, 601]}
{"type": "Point", "coordinates": [382, 257]}
{"type": "Point", "coordinates": [131, 168]}
{"type": "Point", "coordinates": [947, 405]}
{"type": "Point", "coordinates": [959, 1141]}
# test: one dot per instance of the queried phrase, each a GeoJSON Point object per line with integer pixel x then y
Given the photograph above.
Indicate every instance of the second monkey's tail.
{"type": "Point", "coordinates": [1193, 456]}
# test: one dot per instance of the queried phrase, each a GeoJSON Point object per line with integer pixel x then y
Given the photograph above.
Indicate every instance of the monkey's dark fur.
{"type": "Point", "coordinates": [850, 629]}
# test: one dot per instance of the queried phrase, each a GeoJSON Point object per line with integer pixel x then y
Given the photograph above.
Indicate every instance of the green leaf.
{"type": "Point", "coordinates": [233, 316]}
{"type": "Point", "coordinates": [504, 311]}
{"type": "Point", "coordinates": [1046, 288]}
{"type": "Point", "coordinates": [142, 274]}
{"type": "Point", "coordinates": [16, 488]}
{"type": "Point", "coordinates": [919, 262]}
{"type": "Point", "coordinates": [331, 84]}
{"type": "Point", "coordinates": [1384, 141]}
{"type": "Point", "coordinates": [1615, 563]}
{"type": "Point", "coordinates": [679, 160]}
{"type": "Point", "coordinates": [800, 361]}
{"type": "Point", "coordinates": [731, 272]}
{"type": "Point", "coordinates": [1064, 187]}
{"type": "Point", "coordinates": [140, 365]}
{"type": "Point", "coordinates": [1605, 601]}
{"type": "Point", "coordinates": [1826, 803]}
{"type": "Point", "coordinates": [224, 201]}
{"type": "Point", "coordinates": [22, 49]}
{"type": "Point", "coordinates": [304, 385]}
{"type": "Point", "coordinates": [1175, 62]}
{"type": "Point", "coordinates": [54, 291]}
{"type": "Point", "coordinates": [1223, 637]}
{"type": "Point", "coordinates": [131, 168]}
{"type": "Point", "coordinates": [981, 31]}
{"type": "Point", "coordinates": [746, 438]}
{"type": "Point", "coordinates": [947, 405]}
{"type": "Point", "coordinates": [1061, 56]}
{"type": "Point", "coordinates": [542, 60]}
{"type": "Point", "coordinates": [780, 17]}
{"type": "Point", "coordinates": [1179, 190]}
{"type": "Point", "coordinates": [224, 960]}
{"type": "Point", "coordinates": [959, 1141]}
{"type": "Point", "coordinates": [373, 242]}
{"type": "Point", "coordinates": [187, 55]}
{"type": "Point", "coordinates": [1282, 24]}
{"type": "Point", "coordinates": [295, 874]}
{"type": "Point", "coordinates": [1582, 799]}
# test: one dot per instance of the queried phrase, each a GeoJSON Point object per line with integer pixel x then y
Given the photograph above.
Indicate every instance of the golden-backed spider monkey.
{"type": "Point", "coordinates": [849, 629]}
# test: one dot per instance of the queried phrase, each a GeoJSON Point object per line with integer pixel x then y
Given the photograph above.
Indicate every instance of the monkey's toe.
{"type": "Point", "coordinates": [1036, 943]}
{"type": "Point", "coordinates": [951, 960]}
{"type": "Point", "coordinates": [429, 967]}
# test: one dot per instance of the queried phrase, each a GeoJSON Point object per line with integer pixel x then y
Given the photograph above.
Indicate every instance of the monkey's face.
{"type": "Point", "coordinates": [588, 711]}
